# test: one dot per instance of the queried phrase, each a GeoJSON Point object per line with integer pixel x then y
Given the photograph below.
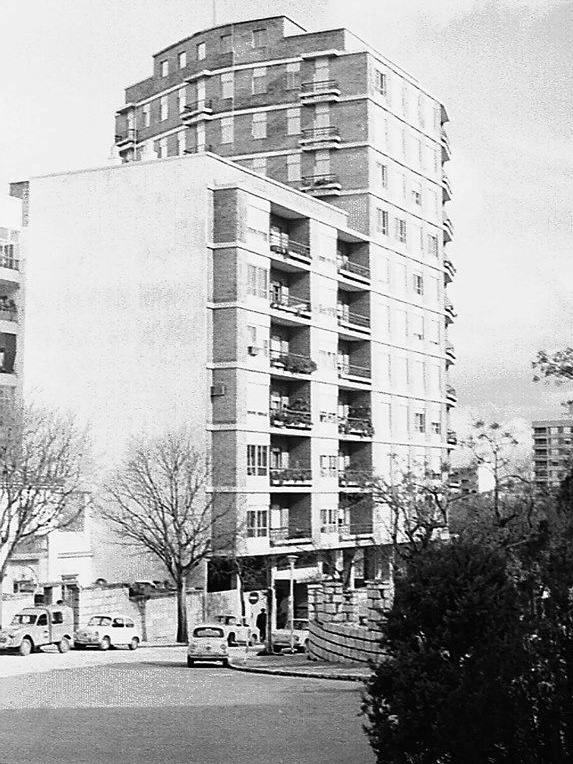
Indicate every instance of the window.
{"type": "Point", "coordinates": [434, 331]}
{"type": "Point", "coordinates": [257, 460]}
{"type": "Point", "coordinates": [181, 143]}
{"type": "Point", "coordinates": [42, 620]}
{"type": "Point", "coordinates": [322, 115]}
{"type": "Point", "coordinates": [57, 616]}
{"type": "Point", "coordinates": [117, 623]}
{"type": "Point", "coordinates": [292, 76]}
{"type": "Point", "coordinates": [418, 327]}
{"type": "Point", "coordinates": [257, 522]}
{"type": "Point", "coordinates": [257, 281]}
{"type": "Point", "coordinates": [403, 147]}
{"type": "Point", "coordinates": [322, 163]}
{"type": "Point", "coordinates": [182, 59]}
{"type": "Point", "coordinates": [163, 108]}
{"type": "Point", "coordinates": [382, 221]}
{"type": "Point", "coordinates": [421, 119]}
{"type": "Point", "coordinates": [226, 43]}
{"type": "Point", "coordinates": [260, 165]}
{"type": "Point", "coordinates": [419, 422]}
{"type": "Point", "coordinates": [436, 428]}
{"type": "Point", "coordinates": [129, 623]}
{"type": "Point", "coordinates": [164, 68]}
{"type": "Point", "coordinates": [259, 80]}
{"type": "Point", "coordinates": [146, 115]}
{"type": "Point", "coordinates": [417, 195]}
{"type": "Point", "coordinates": [259, 38]}
{"type": "Point", "coordinates": [328, 465]}
{"type": "Point", "coordinates": [200, 137]}
{"type": "Point", "coordinates": [227, 130]}
{"type": "Point", "coordinates": [381, 82]}
{"type": "Point", "coordinates": [293, 167]}
{"type": "Point", "coordinates": [418, 283]}
{"type": "Point", "coordinates": [181, 98]}
{"type": "Point", "coordinates": [201, 51]}
{"type": "Point", "coordinates": [405, 104]}
{"type": "Point", "coordinates": [401, 230]}
{"type": "Point", "coordinates": [433, 245]}
{"type": "Point", "coordinates": [259, 128]}
{"type": "Point", "coordinates": [293, 121]}
{"type": "Point", "coordinates": [227, 85]}
{"type": "Point", "coordinates": [383, 174]}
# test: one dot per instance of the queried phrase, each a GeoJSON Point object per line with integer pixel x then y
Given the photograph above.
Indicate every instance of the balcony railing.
{"type": "Point", "coordinates": [290, 475]}
{"type": "Point", "coordinates": [355, 319]}
{"type": "Point", "coordinates": [319, 88]}
{"type": "Point", "coordinates": [445, 142]}
{"type": "Point", "coordinates": [313, 135]}
{"type": "Point", "coordinates": [196, 110]}
{"type": "Point", "coordinates": [448, 230]}
{"type": "Point", "coordinates": [452, 438]}
{"type": "Point", "coordinates": [329, 528]}
{"type": "Point", "coordinates": [286, 247]}
{"type": "Point", "coordinates": [347, 267]}
{"type": "Point", "coordinates": [352, 370]}
{"type": "Point", "coordinates": [354, 477]}
{"type": "Point", "coordinates": [9, 262]}
{"type": "Point", "coordinates": [284, 535]}
{"type": "Point", "coordinates": [361, 529]}
{"type": "Point", "coordinates": [446, 188]}
{"type": "Point", "coordinates": [449, 269]}
{"type": "Point", "coordinates": [292, 362]}
{"type": "Point", "coordinates": [360, 426]}
{"type": "Point", "coordinates": [126, 137]}
{"type": "Point", "coordinates": [450, 353]}
{"type": "Point", "coordinates": [450, 312]}
{"type": "Point", "coordinates": [291, 417]}
{"type": "Point", "coordinates": [451, 395]}
{"type": "Point", "coordinates": [289, 302]}
{"type": "Point", "coordinates": [327, 184]}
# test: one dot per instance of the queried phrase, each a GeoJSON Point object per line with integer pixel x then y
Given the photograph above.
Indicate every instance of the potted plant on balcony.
{"type": "Point", "coordinates": [298, 364]}
{"type": "Point", "coordinates": [279, 418]}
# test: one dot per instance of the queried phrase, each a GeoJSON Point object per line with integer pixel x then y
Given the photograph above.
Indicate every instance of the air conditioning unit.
{"type": "Point", "coordinates": [217, 390]}
{"type": "Point", "coordinates": [253, 350]}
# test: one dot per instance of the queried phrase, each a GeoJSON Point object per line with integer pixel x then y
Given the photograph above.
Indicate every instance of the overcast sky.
{"type": "Point", "coordinates": [502, 67]}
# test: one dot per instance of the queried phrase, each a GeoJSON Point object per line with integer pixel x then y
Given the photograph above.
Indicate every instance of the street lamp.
{"type": "Point", "coordinates": [291, 559]}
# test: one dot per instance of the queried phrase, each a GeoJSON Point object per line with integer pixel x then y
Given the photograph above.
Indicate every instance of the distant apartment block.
{"type": "Point", "coordinates": [552, 450]}
{"type": "Point", "coordinates": [11, 302]}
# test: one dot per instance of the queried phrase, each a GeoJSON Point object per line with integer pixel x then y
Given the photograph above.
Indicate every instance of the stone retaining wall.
{"type": "Point", "coordinates": [341, 642]}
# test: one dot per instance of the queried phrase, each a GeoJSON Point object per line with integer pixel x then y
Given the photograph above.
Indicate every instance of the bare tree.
{"type": "Point", "coordinates": [42, 463]}
{"type": "Point", "coordinates": [158, 501]}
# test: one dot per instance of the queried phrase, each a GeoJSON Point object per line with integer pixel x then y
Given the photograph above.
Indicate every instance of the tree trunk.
{"type": "Point", "coordinates": [182, 630]}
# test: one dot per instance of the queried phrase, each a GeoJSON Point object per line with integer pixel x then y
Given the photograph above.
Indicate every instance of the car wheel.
{"type": "Point", "coordinates": [105, 644]}
{"type": "Point", "coordinates": [63, 645]}
{"type": "Point", "coordinates": [26, 646]}
{"type": "Point", "coordinates": [190, 663]}
{"type": "Point", "coordinates": [231, 640]}
{"type": "Point", "coordinates": [253, 641]}
{"type": "Point", "coordinates": [225, 663]}
{"type": "Point", "coordinates": [134, 644]}
{"type": "Point", "coordinates": [78, 646]}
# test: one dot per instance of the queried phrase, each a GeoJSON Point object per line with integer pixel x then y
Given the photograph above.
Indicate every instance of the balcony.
{"type": "Point", "coordinates": [319, 92]}
{"type": "Point", "coordinates": [354, 271]}
{"type": "Point", "coordinates": [355, 427]}
{"type": "Point", "coordinates": [9, 268]}
{"type": "Point", "coordinates": [295, 417]}
{"type": "Point", "coordinates": [448, 230]}
{"type": "Point", "coordinates": [451, 396]}
{"type": "Point", "coordinates": [317, 138]}
{"type": "Point", "coordinates": [353, 477]}
{"type": "Point", "coordinates": [126, 139]}
{"type": "Point", "coordinates": [321, 185]}
{"type": "Point", "coordinates": [445, 143]}
{"type": "Point", "coordinates": [292, 363]}
{"type": "Point", "coordinates": [449, 270]}
{"type": "Point", "coordinates": [450, 354]}
{"type": "Point", "coordinates": [452, 438]}
{"type": "Point", "coordinates": [196, 111]}
{"type": "Point", "coordinates": [446, 188]}
{"type": "Point", "coordinates": [348, 319]}
{"type": "Point", "coordinates": [350, 532]}
{"type": "Point", "coordinates": [450, 313]}
{"type": "Point", "coordinates": [288, 249]}
{"type": "Point", "coordinates": [290, 476]}
{"type": "Point", "coordinates": [290, 303]}
{"type": "Point", "coordinates": [351, 371]}
{"type": "Point", "coordinates": [278, 536]}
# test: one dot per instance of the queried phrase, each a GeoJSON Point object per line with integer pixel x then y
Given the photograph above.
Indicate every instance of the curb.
{"type": "Point", "coordinates": [143, 645]}
{"type": "Point", "coordinates": [298, 673]}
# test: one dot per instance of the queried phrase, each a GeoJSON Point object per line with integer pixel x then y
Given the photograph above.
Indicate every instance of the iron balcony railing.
{"type": "Point", "coordinates": [290, 417]}
{"type": "Point", "coordinates": [9, 262]}
{"type": "Point", "coordinates": [450, 352]}
{"type": "Point", "coordinates": [452, 438]}
{"type": "Point", "coordinates": [355, 426]}
{"type": "Point", "coordinates": [451, 394]}
{"type": "Point", "coordinates": [321, 133]}
{"type": "Point", "coordinates": [292, 362]}
{"type": "Point", "coordinates": [347, 266]}
{"type": "Point", "coordinates": [349, 317]}
{"type": "Point", "coordinates": [195, 107]}
{"type": "Point", "coordinates": [286, 475]}
{"type": "Point", "coordinates": [352, 370]}
{"type": "Point", "coordinates": [321, 86]}
{"type": "Point", "coordinates": [282, 245]}
{"type": "Point", "coordinates": [355, 477]}
{"type": "Point", "coordinates": [290, 302]}
{"type": "Point", "coordinates": [126, 136]}
{"type": "Point", "coordinates": [282, 535]}
{"type": "Point", "coordinates": [361, 529]}
{"type": "Point", "coordinates": [321, 181]}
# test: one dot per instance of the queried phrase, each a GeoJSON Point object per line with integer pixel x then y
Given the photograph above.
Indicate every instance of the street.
{"type": "Point", "coordinates": [148, 707]}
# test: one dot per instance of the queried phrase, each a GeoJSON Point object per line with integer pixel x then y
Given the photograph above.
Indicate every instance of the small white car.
{"type": "Point", "coordinates": [108, 630]}
{"type": "Point", "coordinates": [208, 642]}
{"type": "Point", "coordinates": [281, 637]}
{"type": "Point", "coordinates": [237, 630]}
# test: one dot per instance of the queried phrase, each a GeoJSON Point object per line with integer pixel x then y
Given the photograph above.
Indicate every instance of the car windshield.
{"type": "Point", "coordinates": [99, 620]}
{"type": "Point", "coordinates": [27, 619]}
{"type": "Point", "coordinates": [209, 632]}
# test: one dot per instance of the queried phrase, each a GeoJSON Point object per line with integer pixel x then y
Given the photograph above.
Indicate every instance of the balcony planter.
{"type": "Point", "coordinates": [297, 364]}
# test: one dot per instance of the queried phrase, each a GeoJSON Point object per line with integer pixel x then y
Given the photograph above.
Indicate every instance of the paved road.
{"type": "Point", "coordinates": [149, 708]}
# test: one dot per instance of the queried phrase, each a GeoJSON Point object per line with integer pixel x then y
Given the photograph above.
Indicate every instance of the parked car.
{"type": "Point", "coordinates": [40, 625]}
{"type": "Point", "coordinates": [281, 637]}
{"type": "Point", "coordinates": [208, 643]}
{"type": "Point", "coordinates": [237, 630]}
{"type": "Point", "coordinates": [108, 630]}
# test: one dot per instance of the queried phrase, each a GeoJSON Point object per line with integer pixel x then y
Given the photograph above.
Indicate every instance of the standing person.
{"type": "Point", "coordinates": [261, 624]}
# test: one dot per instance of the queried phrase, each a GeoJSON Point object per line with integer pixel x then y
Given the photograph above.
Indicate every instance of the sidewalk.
{"type": "Point", "coordinates": [298, 665]}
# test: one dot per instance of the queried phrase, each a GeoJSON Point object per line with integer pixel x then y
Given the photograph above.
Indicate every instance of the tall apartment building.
{"type": "Point", "coordinates": [11, 302]}
{"type": "Point", "coordinates": [552, 449]}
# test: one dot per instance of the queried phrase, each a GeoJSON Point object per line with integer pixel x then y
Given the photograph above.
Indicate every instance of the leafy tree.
{"type": "Point", "coordinates": [557, 366]}
{"type": "Point", "coordinates": [158, 500]}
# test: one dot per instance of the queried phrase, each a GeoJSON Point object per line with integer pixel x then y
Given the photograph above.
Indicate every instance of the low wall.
{"type": "Point", "coordinates": [342, 642]}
